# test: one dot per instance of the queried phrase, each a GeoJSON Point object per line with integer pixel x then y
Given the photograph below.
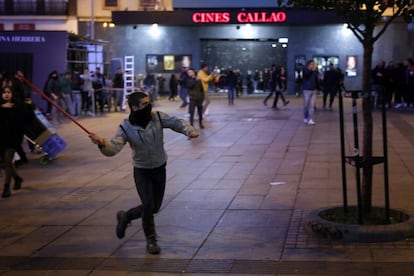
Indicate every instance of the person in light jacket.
{"type": "Point", "coordinates": [143, 131]}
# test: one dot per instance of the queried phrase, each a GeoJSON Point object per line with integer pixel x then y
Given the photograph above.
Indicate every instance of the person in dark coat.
{"type": "Point", "coordinates": [331, 80]}
{"type": "Point", "coordinates": [12, 118]}
{"type": "Point", "coordinates": [196, 94]}
{"type": "Point", "coordinates": [173, 84]}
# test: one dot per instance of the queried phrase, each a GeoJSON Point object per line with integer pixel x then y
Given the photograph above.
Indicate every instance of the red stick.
{"type": "Point", "coordinates": [40, 92]}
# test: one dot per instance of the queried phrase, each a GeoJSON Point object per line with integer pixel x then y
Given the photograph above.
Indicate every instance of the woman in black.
{"type": "Point", "coordinates": [12, 118]}
{"type": "Point", "coordinates": [173, 87]}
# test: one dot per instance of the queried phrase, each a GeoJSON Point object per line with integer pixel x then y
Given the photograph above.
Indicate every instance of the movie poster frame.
{"type": "Point", "coordinates": [167, 63]}
{"type": "Point", "coordinates": [351, 65]}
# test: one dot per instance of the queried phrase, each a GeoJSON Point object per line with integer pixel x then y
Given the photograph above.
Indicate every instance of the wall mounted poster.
{"type": "Point", "coordinates": [167, 63]}
{"type": "Point", "coordinates": [154, 63]}
{"type": "Point", "coordinates": [351, 66]}
{"type": "Point", "coordinates": [300, 62]}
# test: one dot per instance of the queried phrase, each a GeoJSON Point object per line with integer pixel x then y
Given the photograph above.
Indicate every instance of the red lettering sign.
{"type": "Point", "coordinates": [261, 17]}
{"type": "Point", "coordinates": [211, 17]}
{"type": "Point", "coordinates": [24, 27]}
{"type": "Point", "coordinates": [242, 17]}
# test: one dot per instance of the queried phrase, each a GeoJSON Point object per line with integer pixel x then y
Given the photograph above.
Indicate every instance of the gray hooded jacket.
{"type": "Point", "coordinates": [147, 144]}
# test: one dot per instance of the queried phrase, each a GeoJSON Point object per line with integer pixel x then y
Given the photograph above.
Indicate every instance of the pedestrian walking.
{"type": "Point", "coordinates": [278, 82]}
{"type": "Point", "coordinates": [331, 84]}
{"type": "Point", "coordinates": [13, 115]}
{"type": "Point", "coordinates": [143, 131]}
{"type": "Point", "coordinates": [281, 86]}
{"type": "Point", "coordinates": [205, 78]}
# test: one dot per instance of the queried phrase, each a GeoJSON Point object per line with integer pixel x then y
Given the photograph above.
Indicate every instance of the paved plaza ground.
{"type": "Point", "coordinates": [235, 201]}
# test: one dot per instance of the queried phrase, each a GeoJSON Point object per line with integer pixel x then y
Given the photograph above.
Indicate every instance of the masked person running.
{"type": "Point", "coordinates": [143, 130]}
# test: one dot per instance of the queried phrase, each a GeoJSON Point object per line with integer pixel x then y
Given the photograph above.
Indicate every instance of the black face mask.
{"type": "Point", "coordinates": [141, 117]}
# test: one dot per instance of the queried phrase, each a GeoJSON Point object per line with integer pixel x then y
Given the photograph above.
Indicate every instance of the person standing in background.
{"type": "Point", "coordinates": [330, 85]}
{"type": "Point", "coordinates": [54, 91]}
{"type": "Point", "coordinates": [310, 88]}
{"type": "Point", "coordinates": [98, 83]}
{"type": "Point", "coordinates": [205, 79]}
{"type": "Point", "coordinates": [76, 93]}
{"type": "Point", "coordinates": [196, 95]}
{"type": "Point", "coordinates": [173, 84]}
{"type": "Point", "coordinates": [87, 92]}
{"type": "Point", "coordinates": [183, 90]}
{"type": "Point", "coordinates": [231, 85]}
{"type": "Point", "coordinates": [66, 84]}
{"type": "Point", "coordinates": [118, 89]}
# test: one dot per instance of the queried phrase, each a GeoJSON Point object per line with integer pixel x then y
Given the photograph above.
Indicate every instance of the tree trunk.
{"type": "Point", "coordinates": [367, 125]}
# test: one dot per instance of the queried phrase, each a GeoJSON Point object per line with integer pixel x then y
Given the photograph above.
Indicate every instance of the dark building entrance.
{"type": "Point", "coordinates": [243, 54]}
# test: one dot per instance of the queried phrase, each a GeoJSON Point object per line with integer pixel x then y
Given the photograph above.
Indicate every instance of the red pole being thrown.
{"type": "Point", "coordinates": [52, 102]}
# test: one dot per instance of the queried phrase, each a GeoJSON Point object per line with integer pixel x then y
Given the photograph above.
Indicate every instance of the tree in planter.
{"type": "Point", "coordinates": [363, 18]}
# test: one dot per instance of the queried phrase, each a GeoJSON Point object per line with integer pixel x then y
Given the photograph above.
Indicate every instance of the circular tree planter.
{"type": "Point", "coordinates": [324, 223]}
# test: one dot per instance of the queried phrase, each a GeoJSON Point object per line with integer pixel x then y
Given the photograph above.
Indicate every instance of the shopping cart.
{"type": "Point", "coordinates": [43, 136]}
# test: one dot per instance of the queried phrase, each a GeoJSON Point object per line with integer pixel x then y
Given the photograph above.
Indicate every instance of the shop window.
{"type": "Point", "coordinates": [84, 53]}
{"type": "Point", "coordinates": [26, 7]}
{"type": "Point", "coordinates": [323, 62]}
{"type": "Point", "coordinates": [243, 54]}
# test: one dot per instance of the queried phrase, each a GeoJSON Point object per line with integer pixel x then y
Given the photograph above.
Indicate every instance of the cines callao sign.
{"type": "Point", "coordinates": [240, 17]}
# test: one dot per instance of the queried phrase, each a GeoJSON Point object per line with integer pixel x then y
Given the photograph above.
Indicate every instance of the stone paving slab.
{"type": "Point", "coordinates": [235, 199]}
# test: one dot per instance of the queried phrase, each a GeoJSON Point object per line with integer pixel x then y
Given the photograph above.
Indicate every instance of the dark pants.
{"type": "Point", "coordinates": [7, 155]}
{"type": "Point", "coordinates": [150, 184]}
{"type": "Point", "coordinates": [269, 96]}
{"type": "Point", "coordinates": [332, 93]}
{"type": "Point", "coordinates": [85, 101]}
{"type": "Point", "coordinates": [183, 96]}
{"type": "Point", "coordinates": [191, 110]}
{"type": "Point", "coordinates": [99, 101]}
{"type": "Point", "coordinates": [20, 151]}
{"type": "Point", "coordinates": [278, 93]}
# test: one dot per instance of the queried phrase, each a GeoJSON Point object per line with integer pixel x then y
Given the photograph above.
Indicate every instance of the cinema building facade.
{"type": "Point", "coordinates": [249, 40]}
{"type": "Point", "coordinates": [164, 41]}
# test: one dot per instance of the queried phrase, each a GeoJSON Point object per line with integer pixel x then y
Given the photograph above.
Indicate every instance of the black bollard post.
{"type": "Point", "coordinates": [341, 130]}
{"type": "Point", "coordinates": [385, 152]}
{"type": "Point", "coordinates": [356, 155]}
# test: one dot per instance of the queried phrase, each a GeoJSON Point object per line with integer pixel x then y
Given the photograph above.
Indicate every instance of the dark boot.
{"type": "Point", "coordinates": [17, 183]}
{"type": "Point", "coordinates": [201, 124]}
{"type": "Point", "coordinates": [152, 246]}
{"type": "Point", "coordinates": [6, 191]}
{"type": "Point", "coordinates": [122, 224]}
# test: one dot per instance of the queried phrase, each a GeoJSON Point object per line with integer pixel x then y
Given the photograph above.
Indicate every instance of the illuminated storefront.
{"type": "Point", "coordinates": [246, 39]}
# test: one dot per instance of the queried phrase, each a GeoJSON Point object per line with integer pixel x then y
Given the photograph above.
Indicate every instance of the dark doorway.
{"type": "Point", "coordinates": [243, 54]}
{"type": "Point", "coordinates": [12, 62]}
